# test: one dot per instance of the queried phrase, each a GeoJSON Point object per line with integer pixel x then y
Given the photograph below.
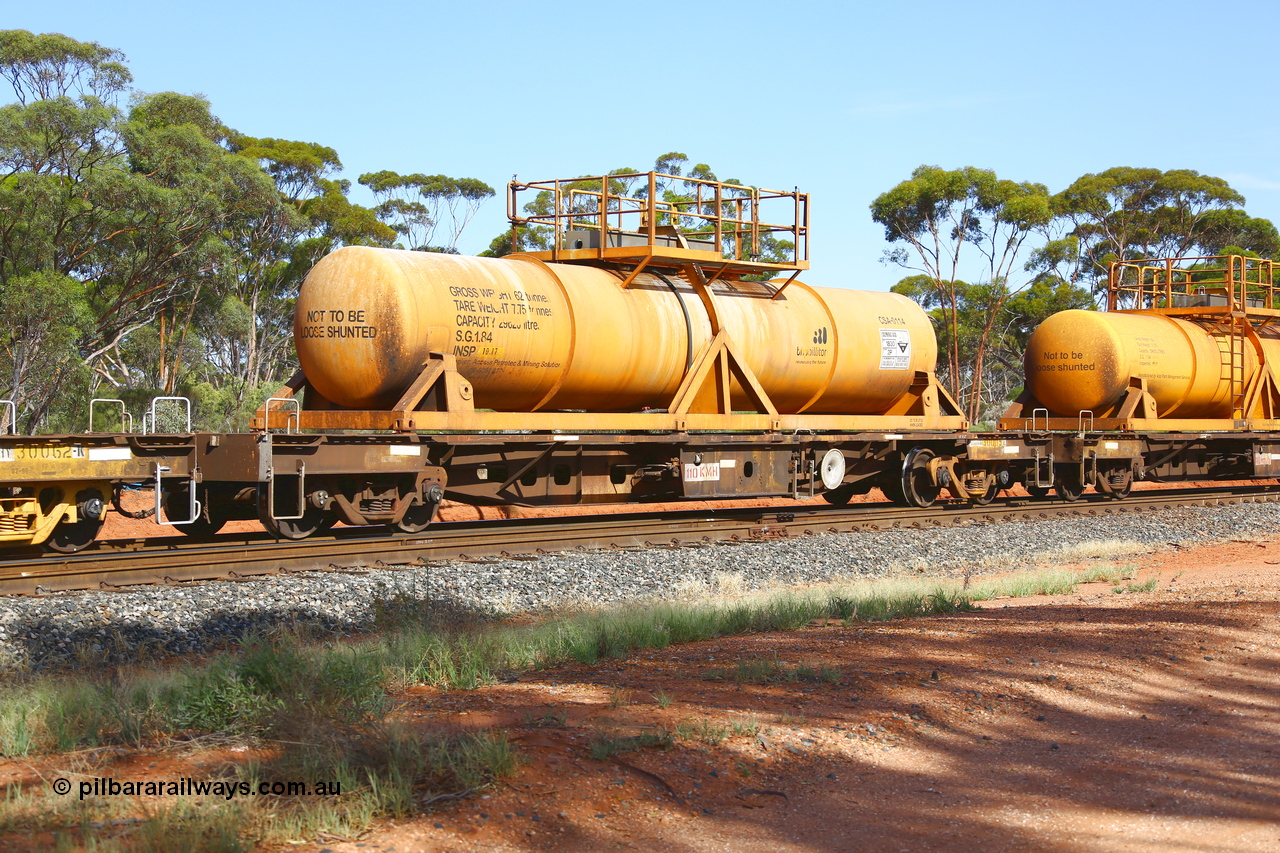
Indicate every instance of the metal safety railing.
{"type": "Point", "coordinates": [1231, 294]}
{"type": "Point", "coordinates": [149, 422]}
{"type": "Point", "coordinates": [1215, 284]}
{"type": "Point", "coordinates": [126, 419]}
{"type": "Point", "coordinates": [292, 418]}
{"type": "Point", "coordinates": [648, 210]}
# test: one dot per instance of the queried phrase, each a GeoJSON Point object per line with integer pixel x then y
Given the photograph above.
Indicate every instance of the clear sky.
{"type": "Point", "coordinates": [842, 100]}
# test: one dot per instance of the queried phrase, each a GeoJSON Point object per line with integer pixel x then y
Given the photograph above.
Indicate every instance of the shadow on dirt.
{"type": "Point", "coordinates": [1028, 728]}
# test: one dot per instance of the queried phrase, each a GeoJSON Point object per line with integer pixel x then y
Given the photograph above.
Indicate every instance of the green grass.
{"type": "Point", "coordinates": [278, 682]}
{"type": "Point", "coordinates": [703, 731]}
{"type": "Point", "coordinates": [379, 771]}
{"type": "Point", "coordinates": [605, 744]}
{"type": "Point", "coordinates": [1047, 582]}
{"type": "Point", "coordinates": [551, 719]}
{"type": "Point", "coordinates": [290, 690]}
{"type": "Point", "coordinates": [1146, 586]}
{"type": "Point", "coordinates": [772, 671]}
{"type": "Point", "coordinates": [744, 727]}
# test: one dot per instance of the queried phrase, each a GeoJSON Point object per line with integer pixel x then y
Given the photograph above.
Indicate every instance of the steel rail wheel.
{"type": "Point", "coordinates": [419, 516]}
{"type": "Point", "coordinates": [69, 537]}
{"type": "Point", "coordinates": [915, 486]}
{"type": "Point", "coordinates": [1067, 484]}
{"type": "Point", "coordinates": [993, 489]}
{"type": "Point", "coordinates": [1120, 482]}
{"type": "Point", "coordinates": [210, 519]}
{"type": "Point", "coordinates": [313, 519]}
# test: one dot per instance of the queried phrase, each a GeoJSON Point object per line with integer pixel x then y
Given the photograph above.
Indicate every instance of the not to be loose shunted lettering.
{"type": "Point", "coordinates": [1064, 361]}
{"type": "Point", "coordinates": [337, 323]}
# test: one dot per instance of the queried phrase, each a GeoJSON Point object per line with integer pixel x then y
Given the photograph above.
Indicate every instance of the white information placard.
{"type": "Point", "coordinates": [895, 349]}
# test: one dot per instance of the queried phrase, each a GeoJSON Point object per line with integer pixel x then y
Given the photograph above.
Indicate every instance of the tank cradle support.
{"type": "Point", "coordinates": [701, 403]}
{"type": "Point", "coordinates": [1137, 403]}
{"type": "Point", "coordinates": [439, 388]}
{"type": "Point", "coordinates": [1137, 412]}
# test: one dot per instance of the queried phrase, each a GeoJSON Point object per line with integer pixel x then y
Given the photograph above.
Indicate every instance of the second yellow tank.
{"type": "Point", "coordinates": [1082, 361]}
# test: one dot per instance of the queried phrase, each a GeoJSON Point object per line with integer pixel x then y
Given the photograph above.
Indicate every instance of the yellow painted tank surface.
{"type": "Point", "coordinates": [529, 335]}
{"type": "Point", "coordinates": [1082, 361]}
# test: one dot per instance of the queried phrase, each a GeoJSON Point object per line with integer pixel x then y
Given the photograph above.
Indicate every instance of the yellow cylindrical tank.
{"type": "Point", "coordinates": [529, 335]}
{"type": "Point", "coordinates": [1083, 360]}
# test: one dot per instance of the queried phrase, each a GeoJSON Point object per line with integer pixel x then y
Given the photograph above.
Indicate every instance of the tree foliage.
{"type": "Point", "coordinates": [993, 319]}
{"type": "Point", "coordinates": [676, 190]}
{"type": "Point", "coordinates": [147, 247]}
{"type": "Point", "coordinates": [1127, 213]}
{"type": "Point", "coordinates": [417, 206]}
{"type": "Point", "coordinates": [931, 219]}
{"type": "Point", "coordinates": [1037, 253]}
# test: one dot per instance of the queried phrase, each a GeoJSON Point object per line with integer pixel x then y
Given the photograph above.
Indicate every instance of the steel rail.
{"type": "Point", "coordinates": [174, 560]}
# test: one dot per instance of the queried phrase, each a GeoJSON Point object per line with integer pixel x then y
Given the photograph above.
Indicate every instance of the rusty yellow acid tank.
{"type": "Point", "coordinates": [1083, 360]}
{"type": "Point", "coordinates": [532, 336]}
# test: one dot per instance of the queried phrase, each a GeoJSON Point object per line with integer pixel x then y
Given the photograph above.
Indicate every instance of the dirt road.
{"type": "Point", "coordinates": [1138, 721]}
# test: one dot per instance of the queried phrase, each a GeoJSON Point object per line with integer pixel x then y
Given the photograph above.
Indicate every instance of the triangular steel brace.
{"type": "Point", "coordinates": [705, 389]}
{"type": "Point", "coordinates": [439, 388]}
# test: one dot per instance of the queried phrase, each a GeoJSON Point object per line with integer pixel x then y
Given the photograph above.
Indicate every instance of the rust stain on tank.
{"type": "Point", "coordinates": [1083, 361]}
{"type": "Point", "coordinates": [529, 334]}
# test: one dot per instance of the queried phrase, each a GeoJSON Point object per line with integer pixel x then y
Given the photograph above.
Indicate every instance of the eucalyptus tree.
{"type": "Point", "coordinates": [55, 139]}
{"type": "Point", "coordinates": [136, 216]}
{"type": "Point", "coordinates": [935, 222]}
{"type": "Point", "coordinates": [416, 206]}
{"type": "Point", "coordinates": [676, 188]}
{"type": "Point", "coordinates": [1128, 213]}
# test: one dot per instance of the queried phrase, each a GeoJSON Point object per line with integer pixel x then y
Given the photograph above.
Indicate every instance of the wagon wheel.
{"type": "Point", "coordinates": [1121, 481]}
{"type": "Point", "coordinates": [993, 489]}
{"type": "Point", "coordinates": [1036, 491]}
{"type": "Point", "coordinates": [209, 520]}
{"type": "Point", "coordinates": [915, 486]}
{"type": "Point", "coordinates": [840, 496]}
{"type": "Point", "coordinates": [416, 518]}
{"type": "Point", "coordinates": [68, 537]}
{"type": "Point", "coordinates": [1067, 484]}
{"type": "Point", "coordinates": [419, 516]}
{"type": "Point", "coordinates": [313, 519]}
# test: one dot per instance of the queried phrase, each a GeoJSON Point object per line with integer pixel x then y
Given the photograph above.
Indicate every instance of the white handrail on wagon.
{"type": "Point", "coordinates": [149, 420]}
{"type": "Point", "coordinates": [126, 419]}
{"type": "Point", "coordinates": [295, 417]}
{"type": "Point", "coordinates": [195, 507]}
{"type": "Point", "coordinates": [1036, 414]}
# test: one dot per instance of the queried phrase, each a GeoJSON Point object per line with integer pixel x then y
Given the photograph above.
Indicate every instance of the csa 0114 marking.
{"type": "Point", "coordinates": [42, 452]}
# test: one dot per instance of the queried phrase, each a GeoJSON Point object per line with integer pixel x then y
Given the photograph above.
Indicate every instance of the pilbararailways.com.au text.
{"type": "Point", "coordinates": [188, 787]}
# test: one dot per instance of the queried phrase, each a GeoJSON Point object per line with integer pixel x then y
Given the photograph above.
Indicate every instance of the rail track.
{"type": "Point", "coordinates": [119, 563]}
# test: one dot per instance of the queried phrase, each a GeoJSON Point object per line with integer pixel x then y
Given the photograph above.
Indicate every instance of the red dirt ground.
{"type": "Point", "coordinates": [1100, 721]}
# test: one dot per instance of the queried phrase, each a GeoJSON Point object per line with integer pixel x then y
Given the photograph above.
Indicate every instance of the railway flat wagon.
{"type": "Point", "coordinates": [650, 353]}
{"type": "Point", "coordinates": [1174, 381]}
{"type": "Point", "coordinates": [661, 350]}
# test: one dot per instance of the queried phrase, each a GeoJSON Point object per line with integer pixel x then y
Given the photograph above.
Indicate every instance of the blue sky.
{"type": "Point", "coordinates": [842, 100]}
